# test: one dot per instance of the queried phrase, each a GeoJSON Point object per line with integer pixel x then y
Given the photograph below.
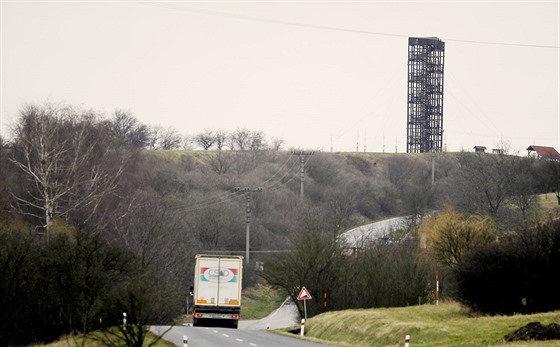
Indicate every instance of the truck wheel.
{"type": "Point", "coordinates": [234, 323]}
{"type": "Point", "coordinates": [195, 322]}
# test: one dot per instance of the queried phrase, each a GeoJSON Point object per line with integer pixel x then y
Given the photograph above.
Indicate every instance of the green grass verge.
{"type": "Point", "coordinates": [447, 324]}
{"type": "Point", "coordinates": [259, 301]}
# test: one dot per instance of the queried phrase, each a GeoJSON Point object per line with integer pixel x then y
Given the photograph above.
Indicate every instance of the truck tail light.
{"type": "Point", "coordinates": [235, 316]}
{"type": "Point", "coordinates": [198, 315]}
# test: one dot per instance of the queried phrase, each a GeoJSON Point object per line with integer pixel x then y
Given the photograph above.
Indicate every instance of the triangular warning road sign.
{"type": "Point", "coordinates": [304, 294]}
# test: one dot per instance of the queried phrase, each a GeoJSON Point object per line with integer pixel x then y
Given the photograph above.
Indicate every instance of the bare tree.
{"type": "Point", "coordinates": [221, 163]}
{"type": "Point", "coordinates": [230, 142]}
{"type": "Point", "coordinates": [552, 176]}
{"type": "Point", "coordinates": [524, 186]}
{"type": "Point", "coordinates": [156, 133]}
{"type": "Point", "coordinates": [485, 181]}
{"type": "Point", "coordinates": [242, 139]}
{"type": "Point", "coordinates": [63, 159]}
{"type": "Point", "coordinates": [221, 138]}
{"type": "Point", "coordinates": [127, 128]}
{"type": "Point", "coordinates": [170, 139]}
{"type": "Point", "coordinates": [205, 139]}
{"type": "Point", "coordinates": [256, 141]}
{"type": "Point", "coordinates": [277, 143]}
{"type": "Point", "coordinates": [152, 230]}
{"type": "Point", "coordinates": [315, 261]}
{"type": "Point", "coordinates": [402, 170]}
{"type": "Point", "coordinates": [186, 143]}
{"type": "Point", "coordinates": [340, 207]}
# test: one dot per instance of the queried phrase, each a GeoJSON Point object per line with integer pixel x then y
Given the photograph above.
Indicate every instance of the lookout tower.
{"type": "Point", "coordinates": [425, 95]}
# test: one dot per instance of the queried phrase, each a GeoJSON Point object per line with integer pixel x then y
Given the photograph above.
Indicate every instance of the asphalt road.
{"type": "Point", "coordinates": [251, 333]}
{"type": "Point", "coordinates": [371, 232]}
{"type": "Point", "coordinates": [205, 337]}
{"type": "Point", "coordinates": [285, 316]}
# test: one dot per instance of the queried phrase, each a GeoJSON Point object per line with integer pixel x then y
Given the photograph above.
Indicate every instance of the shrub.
{"type": "Point", "coordinates": [514, 276]}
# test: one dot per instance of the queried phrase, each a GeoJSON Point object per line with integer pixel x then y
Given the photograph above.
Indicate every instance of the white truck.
{"type": "Point", "coordinates": [217, 290]}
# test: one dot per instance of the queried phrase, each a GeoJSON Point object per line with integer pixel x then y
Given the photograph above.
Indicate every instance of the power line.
{"type": "Point", "coordinates": [268, 20]}
{"type": "Point", "coordinates": [294, 176]}
{"type": "Point", "coordinates": [331, 28]}
{"type": "Point", "coordinates": [495, 43]}
{"type": "Point", "coordinates": [215, 200]}
{"type": "Point", "coordinates": [262, 251]}
{"type": "Point", "coordinates": [236, 191]}
{"type": "Point", "coordinates": [281, 181]}
{"type": "Point", "coordinates": [278, 171]}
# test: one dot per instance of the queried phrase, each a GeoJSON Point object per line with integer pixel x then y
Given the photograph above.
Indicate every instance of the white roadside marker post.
{"type": "Point", "coordinates": [302, 332]}
{"type": "Point", "coordinates": [437, 287]}
{"type": "Point", "coordinates": [407, 341]}
{"type": "Point", "coordinates": [185, 341]}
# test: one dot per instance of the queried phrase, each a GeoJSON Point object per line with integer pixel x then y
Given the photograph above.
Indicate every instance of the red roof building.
{"type": "Point", "coordinates": [543, 152]}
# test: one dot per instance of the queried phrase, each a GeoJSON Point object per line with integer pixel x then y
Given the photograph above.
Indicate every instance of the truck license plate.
{"type": "Point", "coordinates": [224, 316]}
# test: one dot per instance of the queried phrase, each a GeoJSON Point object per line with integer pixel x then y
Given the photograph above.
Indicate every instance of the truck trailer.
{"type": "Point", "coordinates": [217, 290]}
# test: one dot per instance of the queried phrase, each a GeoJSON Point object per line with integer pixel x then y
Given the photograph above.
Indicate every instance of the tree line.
{"type": "Point", "coordinates": [99, 223]}
{"type": "Point", "coordinates": [125, 126]}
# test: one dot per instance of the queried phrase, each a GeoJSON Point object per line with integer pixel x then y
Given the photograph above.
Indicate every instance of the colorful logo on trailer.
{"type": "Point", "coordinates": [215, 274]}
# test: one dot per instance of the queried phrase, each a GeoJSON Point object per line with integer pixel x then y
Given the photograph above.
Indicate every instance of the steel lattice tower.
{"type": "Point", "coordinates": [425, 95]}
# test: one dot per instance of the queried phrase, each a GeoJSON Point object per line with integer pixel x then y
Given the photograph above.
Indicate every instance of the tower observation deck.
{"type": "Point", "coordinates": [425, 95]}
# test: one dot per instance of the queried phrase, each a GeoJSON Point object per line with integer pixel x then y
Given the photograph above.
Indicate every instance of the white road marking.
{"type": "Point", "coordinates": [216, 331]}
{"type": "Point", "coordinates": [253, 344]}
{"type": "Point", "coordinates": [226, 335]}
{"type": "Point", "coordinates": [240, 340]}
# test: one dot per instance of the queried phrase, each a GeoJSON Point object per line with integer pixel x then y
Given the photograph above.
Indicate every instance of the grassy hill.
{"type": "Point", "coordinates": [445, 325]}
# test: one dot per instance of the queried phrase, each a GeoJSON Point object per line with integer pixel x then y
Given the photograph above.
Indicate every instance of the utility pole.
{"type": "Point", "coordinates": [302, 177]}
{"type": "Point", "coordinates": [433, 167]}
{"type": "Point", "coordinates": [246, 192]}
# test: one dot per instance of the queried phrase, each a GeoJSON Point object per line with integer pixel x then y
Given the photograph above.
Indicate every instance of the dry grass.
{"type": "Point", "coordinates": [78, 341]}
{"type": "Point", "coordinates": [549, 205]}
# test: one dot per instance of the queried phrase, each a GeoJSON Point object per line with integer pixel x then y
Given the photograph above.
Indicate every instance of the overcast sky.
{"type": "Point", "coordinates": [314, 73]}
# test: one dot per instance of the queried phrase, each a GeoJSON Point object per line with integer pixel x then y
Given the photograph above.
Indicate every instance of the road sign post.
{"type": "Point", "coordinates": [304, 295]}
